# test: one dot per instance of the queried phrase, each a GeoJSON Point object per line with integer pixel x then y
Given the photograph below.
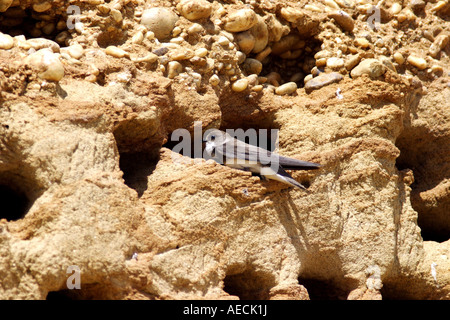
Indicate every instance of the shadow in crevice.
{"type": "Point", "coordinates": [424, 150]}
{"type": "Point", "coordinates": [137, 167]}
{"type": "Point", "coordinates": [249, 284]}
{"type": "Point", "coordinates": [15, 204]}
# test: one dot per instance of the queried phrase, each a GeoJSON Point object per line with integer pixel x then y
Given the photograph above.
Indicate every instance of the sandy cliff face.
{"type": "Point", "coordinates": [89, 179]}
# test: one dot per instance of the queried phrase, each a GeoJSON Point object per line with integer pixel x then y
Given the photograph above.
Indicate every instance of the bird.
{"type": "Point", "coordinates": [234, 153]}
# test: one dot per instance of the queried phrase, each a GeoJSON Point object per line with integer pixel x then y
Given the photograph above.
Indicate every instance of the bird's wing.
{"type": "Point", "coordinates": [233, 148]}
{"type": "Point", "coordinates": [294, 164]}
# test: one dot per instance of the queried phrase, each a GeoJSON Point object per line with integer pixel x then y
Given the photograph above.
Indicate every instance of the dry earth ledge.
{"type": "Point", "coordinates": [88, 179]}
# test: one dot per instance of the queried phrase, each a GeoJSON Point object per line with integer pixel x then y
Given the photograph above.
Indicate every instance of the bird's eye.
{"type": "Point", "coordinates": [213, 137]}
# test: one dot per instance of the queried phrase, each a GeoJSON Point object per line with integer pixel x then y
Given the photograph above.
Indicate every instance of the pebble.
{"type": "Point", "coordinates": [246, 41]}
{"type": "Point", "coordinates": [335, 63]}
{"type": "Point", "coordinates": [263, 54]}
{"type": "Point", "coordinates": [194, 9]}
{"type": "Point", "coordinates": [115, 52]}
{"type": "Point", "coordinates": [352, 61]}
{"type": "Point", "coordinates": [240, 85]}
{"type": "Point", "coordinates": [161, 51]}
{"type": "Point", "coordinates": [261, 34]}
{"type": "Point", "coordinates": [252, 66]}
{"type": "Point", "coordinates": [398, 57]}
{"type": "Point", "coordinates": [47, 64]}
{"type": "Point", "coordinates": [274, 78]}
{"type": "Point", "coordinates": [372, 67]}
{"type": "Point", "coordinates": [322, 80]}
{"type": "Point", "coordinates": [417, 62]}
{"type": "Point", "coordinates": [223, 41]}
{"type": "Point", "coordinates": [240, 57]}
{"type": "Point", "coordinates": [292, 14]}
{"type": "Point", "coordinates": [150, 57]}
{"type": "Point", "coordinates": [439, 5]}
{"type": "Point", "coordinates": [331, 4]}
{"type": "Point", "coordinates": [160, 21]}
{"type": "Point", "coordinates": [343, 19]}
{"type": "Point", "coordinates": [439, 43]}
{"type": "Point", "coordinates": [116, 15]}
{"type": "Point", "coordinates": [41, 43]}
{"type": "Point", "coordinates": [5, 4]}
{"type": "Point", "coordinates": [214, 80]}
{"type": "Point", "coordinates": [276, 29]}
{"type": "Point", "coordinates": [196, 28]}
{"type": "Point", "coordinates": [286, 43]}
{"type": "Point", "coordinates": [201, 52]}
{"type": "Point", "coordinates": [240, 20]}
{"type": "Point", "coordinates": [287, 88]}
{"type": "Point", "coordinates": [362, 42]}
{"type": "Point", "coordinates": [6, 41]}
{"type": "Point", "coordinates": [181, 54]}
{"type": "Point", "coordinates": [42, 6]}
{"type": "Point", "coordinates": [137, 38]}
{"type": "Point", "coordinates": [174, 68]}
{"type": "Point", "coordinates": [396, 8]}
{"type": "Point", "coordinates": [76, 51]}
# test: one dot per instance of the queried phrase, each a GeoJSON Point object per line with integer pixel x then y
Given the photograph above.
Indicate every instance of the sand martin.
{"type": "Point", "coordinates": [234, 153]}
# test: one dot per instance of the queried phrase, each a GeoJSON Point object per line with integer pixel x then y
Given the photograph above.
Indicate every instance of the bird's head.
{"type": "Point", "coordinates": [214, 137]}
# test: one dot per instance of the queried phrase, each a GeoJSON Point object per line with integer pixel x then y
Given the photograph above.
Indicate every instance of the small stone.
{"type": "Point", "coordinates": [160, 21]}
{"type": "Point", "coordinates": [252, 66]}
{"type": "Point", "coordinates": [396, 8]}
{"type": "Point", "coordinates": [331, 4]}
{"type": "Point", "coordinates": [240, 85]}
{"type": "Point", "coordinates": [150, 57]}
{"type": "Point", "coordinates": [417, 62]}
{"type": "Point", "coordinates": [274, 78]}
{"type": "Point", "coordinates": [398, 57]}
{"type": "Point", "coordinates": [194, 9]}
{"type": "Point", "coordinates": [41, 43]}
{"type": "Point", "coordinates": [201, 52]}
{"type": "Point", "coordinates": [47, 64]}
{"type": "Point", "coordinates": [263, 54]}
{"type": "Point", "coordinates": [439, 5]}
{"type": "Point", "coordinates": [417, 5]}
{"type": "Point", "coordinates": [372, 67]}
{"type": "Point", "coordinates": [214, 80]}
{"type": "Point", "coordinates": [322, 80]}
{"type": "Point", "coordinates": [321, 62]}
{"type": "Point", "coordinates": [6, 41]}
{"type": "Point", "coordinates": [261, 34]}
{"type": "Point", "coordinates": [287, 88]}
{"type": "Point", "coordinates": [289, 42]}
{"type": "Point", "coordinates": [161, 51]}
{"type": "Point", "coordinates": [335, 63]}
{"type": "Point", "coordinates": [240, 20]}
{"type": "Point", "coordinates": [137, 38]}
{"type": "Point", "coordinates": [362, 42]}
{"type": "Point", "coordinates": [352, 61]}
{"type": "Point", "coordinates": [5, 4]}
{"type": "Point", "coordinates": [116, 15]}
{"type": "Point", "coordinates": [292, 14]}
{"type": "Point", "coordinates": [174, 68]}
{"type": "Point", "coordinates": [180, 54]}
{"type": "Point", "coordinates": [343, 19]}
{"type": "Point", "coordinates": [42, 6]}
{"type": "Point", "coordinates": [439, 43]}
{"type": "Point", "coordinates": [115, 52]}
{"type": "Point", "coordinates": [246, 41]}
{"type": "Point", "coordinates": [223, 41]}
{"type": "Point", "coordinates": [76, 51]}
